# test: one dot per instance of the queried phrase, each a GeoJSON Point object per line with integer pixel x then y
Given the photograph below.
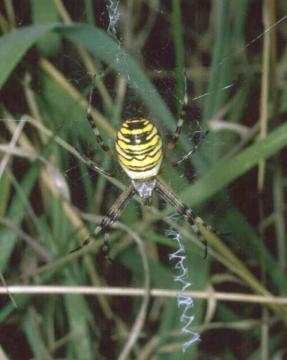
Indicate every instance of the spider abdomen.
{"type": "Point", "coordinates": [139, 148]}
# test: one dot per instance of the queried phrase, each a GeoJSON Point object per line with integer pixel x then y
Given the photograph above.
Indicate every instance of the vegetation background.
{"type": "Point", "coordinates": [233, 56]}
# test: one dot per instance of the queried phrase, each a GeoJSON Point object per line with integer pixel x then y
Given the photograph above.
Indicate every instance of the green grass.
{"type": "Point", "coordinates": [50, 201]}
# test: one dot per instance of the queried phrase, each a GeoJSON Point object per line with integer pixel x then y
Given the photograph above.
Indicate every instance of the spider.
{"type": "Point", "coordinates": [139, 151]}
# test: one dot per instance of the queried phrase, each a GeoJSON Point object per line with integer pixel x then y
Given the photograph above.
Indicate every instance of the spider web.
{"type": "Point", "coordinates": [179, 254]}
{"type": "Point", "coordinates": [165, 88]}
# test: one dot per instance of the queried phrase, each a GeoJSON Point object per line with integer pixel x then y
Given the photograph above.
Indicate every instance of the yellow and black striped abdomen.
{"type": "Point", "coordinates": [139, 148]}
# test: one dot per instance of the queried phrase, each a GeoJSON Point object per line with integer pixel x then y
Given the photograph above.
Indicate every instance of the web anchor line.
{"type": "Point", "coordinates": [114, 16]}
{"type": "Point", "coordinates": [184, 302]}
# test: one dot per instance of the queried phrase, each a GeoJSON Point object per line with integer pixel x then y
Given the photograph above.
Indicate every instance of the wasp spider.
{"type": "Point", "coordinates": [139, 151]}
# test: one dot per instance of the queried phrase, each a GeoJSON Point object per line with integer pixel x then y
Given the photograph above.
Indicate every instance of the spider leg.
{"type": "Point", "coordinates": [197, 140]}
{"type": "Point", "coordinates": [88, 160]}
{"type": "Point", "coordinates": [112, 215]}
{"type": "Point", "coordinates": [194, 220]}
{"type": "Point", "coordinates": [93, 125]}
{"type": "Point", "coordinates": [93, 165]}
{"type": "Point", "coordinates": [172, 140]}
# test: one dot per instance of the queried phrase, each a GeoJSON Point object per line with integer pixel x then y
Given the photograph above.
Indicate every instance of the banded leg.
{"type": "Point", "coordinates": [172, 140]}
{"type": "Point", "coordinates": [198, 138]}
{"type": "Point", "coordinates": [93, 125]}
{"type": "Point", "coordinates": [195, 221]}
{"type": "Point", "coordinates": [92, 164]}
{"type": "Point", "coordinates": [112, 215]}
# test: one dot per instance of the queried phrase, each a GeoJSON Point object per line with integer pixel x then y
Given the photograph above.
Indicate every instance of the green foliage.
{"type": "Point", "coordinates": [49, 199]}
